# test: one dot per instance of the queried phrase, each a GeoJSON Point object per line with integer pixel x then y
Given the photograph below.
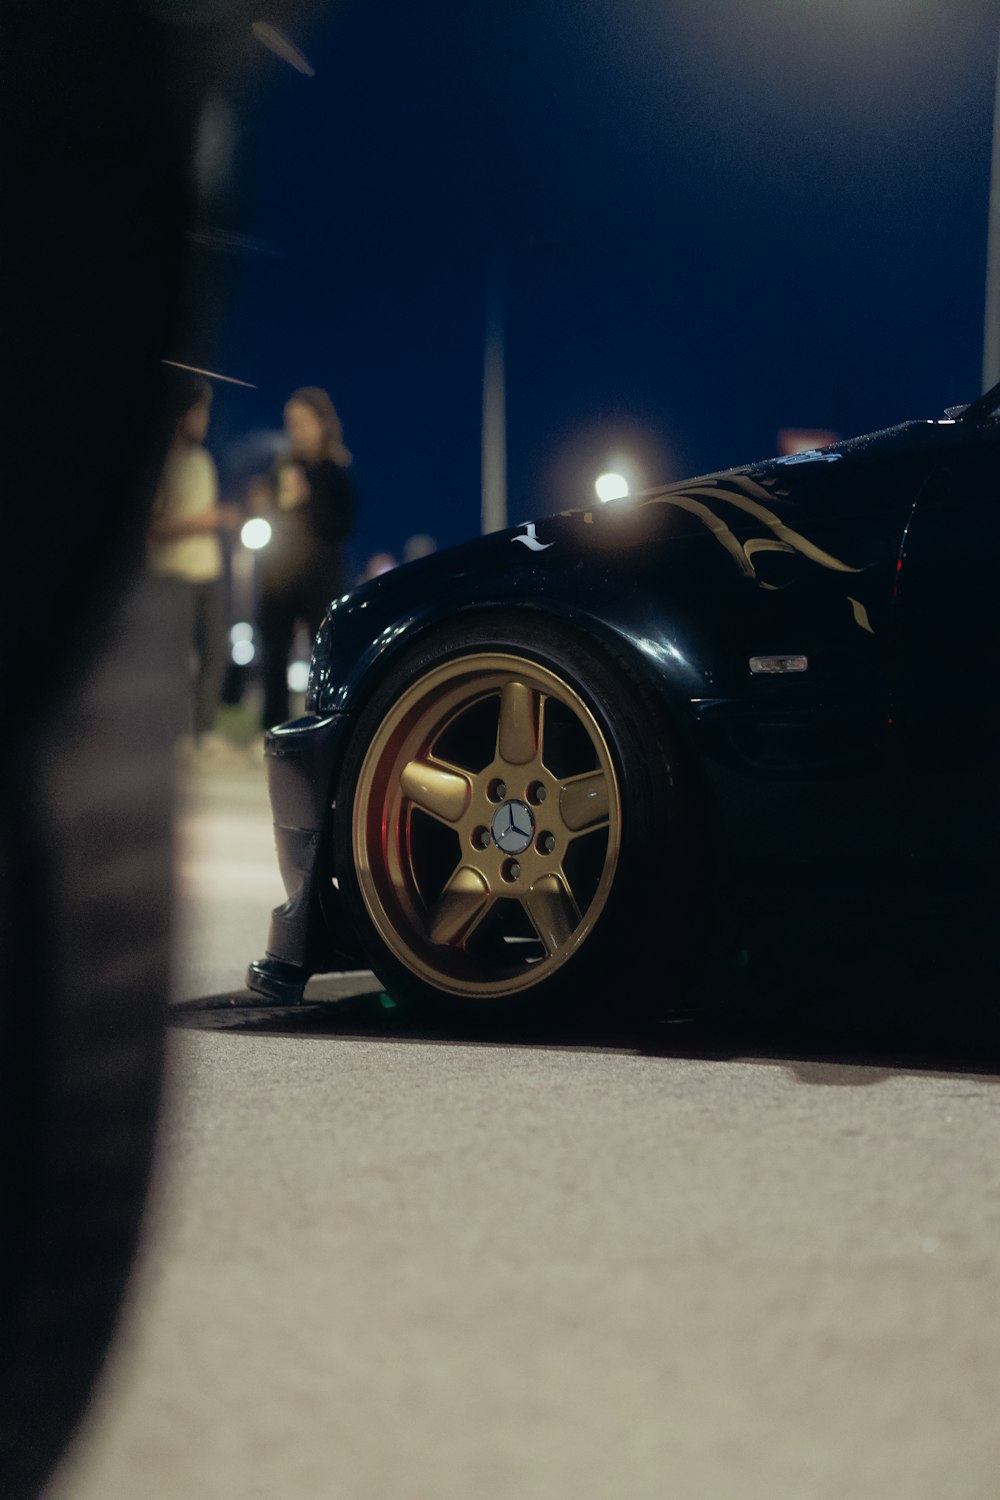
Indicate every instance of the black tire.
{"type": "Point", "coordinates": [87, 892]}
{"type": "Point", "coordinates": [99, 284]}
{"type": "Point", "coordinates": [644, 948]}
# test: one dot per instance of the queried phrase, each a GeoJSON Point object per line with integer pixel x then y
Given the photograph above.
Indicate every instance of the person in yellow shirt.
{"type": "Point", "coordinates": [184, 547]}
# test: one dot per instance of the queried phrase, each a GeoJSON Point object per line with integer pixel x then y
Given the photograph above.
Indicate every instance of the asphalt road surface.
{"type": "Point", "coordinates": [383, 1264]}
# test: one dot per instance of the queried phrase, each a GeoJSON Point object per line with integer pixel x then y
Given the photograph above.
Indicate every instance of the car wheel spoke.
{"type": "Point", "coordinates": [460, 907]}
{"type": "Point", "coordinates": [517, 735]}
{"type": "Point", "coordinates": [552, 911]}
{"type": "Point", "coordinates": [584, 802]}
{"type": "Point", "coordinates": [437, 788]}
{"type": "Point", "coordinates": [464, 837]}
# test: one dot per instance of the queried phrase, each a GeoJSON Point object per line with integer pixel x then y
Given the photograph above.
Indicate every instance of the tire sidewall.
{"type": "Point", "coordinates": [642, 920]}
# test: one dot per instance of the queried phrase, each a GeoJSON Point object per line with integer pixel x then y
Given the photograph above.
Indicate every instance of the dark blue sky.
{"type": "Point", "coordinates": [714, 220]}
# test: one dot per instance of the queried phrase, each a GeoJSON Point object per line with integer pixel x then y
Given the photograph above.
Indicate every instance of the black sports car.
{"type": "Point", "coordinates": [731, 717]}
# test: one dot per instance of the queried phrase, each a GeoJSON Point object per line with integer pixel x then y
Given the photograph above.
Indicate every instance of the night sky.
{"type": "Point", "coordinates": [713, 219]}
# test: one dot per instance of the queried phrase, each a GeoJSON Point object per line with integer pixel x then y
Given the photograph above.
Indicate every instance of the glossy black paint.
{"type": "Point", "coordinates": [875, 559]}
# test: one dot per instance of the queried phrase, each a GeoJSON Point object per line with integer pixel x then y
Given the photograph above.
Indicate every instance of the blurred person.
{"type": "Point", "coordinates": [183, 551]}
{"type": "Point", "coordinates": [311, 511]}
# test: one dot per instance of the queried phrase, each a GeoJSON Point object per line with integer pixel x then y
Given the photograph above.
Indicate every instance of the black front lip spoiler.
{"type": "Point", "coordinates": [302, 758]}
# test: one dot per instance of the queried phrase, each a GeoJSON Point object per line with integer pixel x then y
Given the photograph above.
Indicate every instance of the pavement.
{"type": "Point", "coordinates": [386, 1263]}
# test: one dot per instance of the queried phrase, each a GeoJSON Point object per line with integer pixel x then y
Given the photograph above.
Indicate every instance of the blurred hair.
{"type": "Point", "coordinates": [319, 401]}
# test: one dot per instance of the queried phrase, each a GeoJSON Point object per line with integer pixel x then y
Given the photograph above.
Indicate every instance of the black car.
{"type": "Point", "coordinates": [748, 714]}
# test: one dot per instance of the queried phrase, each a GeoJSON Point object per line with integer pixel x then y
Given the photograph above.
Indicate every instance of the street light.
{"type": "Point", "coordinates": [243, 650]}
{"type": "Point", "coordinates": [611, 486]}
{"type": "Point", "coordinates": [256, 533]}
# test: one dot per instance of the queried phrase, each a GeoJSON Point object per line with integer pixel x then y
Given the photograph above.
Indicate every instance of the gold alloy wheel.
{"type": "Point", "coordinates": [487, 825]}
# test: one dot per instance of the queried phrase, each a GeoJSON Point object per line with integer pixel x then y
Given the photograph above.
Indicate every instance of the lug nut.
{"type": "Point", "coordinates": [537, 792]}
{"type": "Point", "coordinates": [481, 838]}
{"type": "Point", "coordinates": [547, 843]}
{"type": "Point", "coordinates": [511, 870]}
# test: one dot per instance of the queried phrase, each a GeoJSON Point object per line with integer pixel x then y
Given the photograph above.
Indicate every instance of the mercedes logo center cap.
{"type": "Point", "coordinates": [513, 827]}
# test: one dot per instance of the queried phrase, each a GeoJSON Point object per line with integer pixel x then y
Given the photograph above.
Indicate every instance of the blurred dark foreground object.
{"type": "Point", "coordinates": [101, 112]}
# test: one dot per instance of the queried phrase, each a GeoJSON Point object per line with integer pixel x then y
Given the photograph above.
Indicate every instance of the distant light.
{"type": "Point", "coordinates": [243, 653]}
{"type": "Point", "coordinates": [792, 440]}
{"type": "Point", "coordinates": [298, 676]}
{"type": "Point", "coordinates": [241, 631]}
{"type": "Point", "coordinates": [418, 546]}
{"type": "Point", "coordinates": [379, 563]}
{"type": "Point", "coordinates": [256, 533]}
{"type": "Point", "coordinates": [611, 487]}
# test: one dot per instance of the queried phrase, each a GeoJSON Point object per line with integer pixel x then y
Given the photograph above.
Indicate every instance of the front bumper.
{"type": "Point", "coordinates": [305, 937]}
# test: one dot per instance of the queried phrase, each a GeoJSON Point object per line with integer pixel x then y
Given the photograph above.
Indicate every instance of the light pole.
{"type": "Point", "coordinates": [991, 321]}
{"type": "Point", "coordinates": [494, 462]}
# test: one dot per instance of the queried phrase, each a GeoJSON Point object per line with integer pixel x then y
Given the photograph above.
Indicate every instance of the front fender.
{"type": "Point", "coordinates": [619, 608]}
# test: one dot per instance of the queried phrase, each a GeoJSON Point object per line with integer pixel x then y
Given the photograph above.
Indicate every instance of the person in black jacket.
{"type": "Point", "coordinates": [311, 513]}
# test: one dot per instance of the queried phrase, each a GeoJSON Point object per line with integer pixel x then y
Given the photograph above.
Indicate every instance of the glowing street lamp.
{"type": "Point", "coordinates": [243, 650]}
{"type": "Point", "coordinates": [611, 487]}
{"type": "Point", "coordinates": [256, 533]}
